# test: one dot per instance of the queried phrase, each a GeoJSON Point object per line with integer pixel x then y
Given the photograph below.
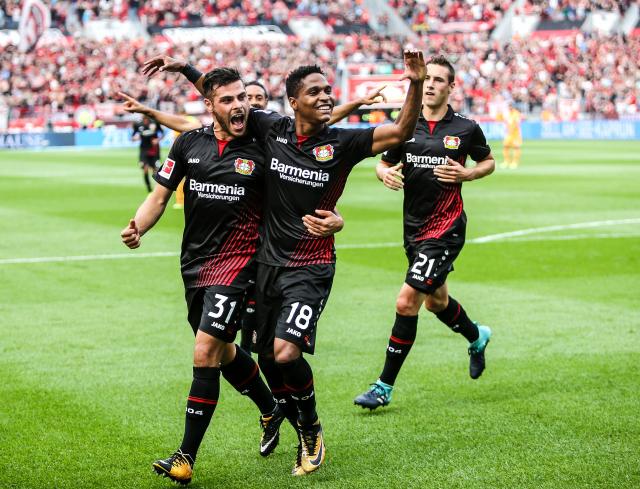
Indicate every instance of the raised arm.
{"type": "Point", "coordinates": [389, 135]}
{"type": "Point", "coordinates": [176, 122]}
{"type": "Point", "coordinates": [166, 63]}
{"type": "Point", "coordinates": [341, 111]}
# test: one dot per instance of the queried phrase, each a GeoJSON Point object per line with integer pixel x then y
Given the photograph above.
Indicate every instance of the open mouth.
{"type": "Point", "coordinates": [237, 121]}
{"type": "Point", "coordinates": [430, 94]}
{"type": "Point", "coordinates": [325, 108]}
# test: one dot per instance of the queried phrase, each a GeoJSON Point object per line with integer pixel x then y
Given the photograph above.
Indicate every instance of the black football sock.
{"type": "Point", "coordinates": [244, 375]}
{"type": "Point", "coordinates": [403, 334]}
{"type": "Point", "coordinates": [147, 181]}
{"type": "Point", "coordinates": [298, 378]}
{"type": "Point", "coordinates": [456, 318]}
{"type": "Point", "coordinates": [201, 403]}
{"type": "Point", "coordinates": [248, 326]}
{"type": "Point", "coordinates": [280, 393]}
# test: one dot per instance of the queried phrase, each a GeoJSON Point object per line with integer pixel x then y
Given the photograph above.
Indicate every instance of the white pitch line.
{"type": "Point", "coordinates": [548, 229]}
{"type": "Point", "coordinates": [115, 256]}
{"type": "Point", "coordinates": [515, 236]}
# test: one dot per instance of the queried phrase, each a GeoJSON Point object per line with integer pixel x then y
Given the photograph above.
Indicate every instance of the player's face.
{"type": "Point", "coordinates": [146, 121]}
{"type": "Point", "coordinates": [436, 86]}
{"type": "Point", "coordinates": [230, 108]}
{"type": "Point", "coordinates": [256, 96]}
{"type": "Point", "coordinates": [314, 102]}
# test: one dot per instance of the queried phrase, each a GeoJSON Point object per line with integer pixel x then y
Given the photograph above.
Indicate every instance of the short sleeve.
{"type": "Point", "coordinates": [393, 155]}
{"type": "Point", "coordinates": [478, 149]}
{"type": "Point", "coordinates": [173, 168]}
{"type": "Point", "coordinates": [260, 122]}
{"type": "Point", "coordinates": [358, 144]}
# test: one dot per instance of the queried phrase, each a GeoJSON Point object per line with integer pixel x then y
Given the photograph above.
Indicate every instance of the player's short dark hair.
{"type": "Point", "coordinates": [258, 84]}
{"type": "Point", "coordinates": [294, 78]}
{"type": "Point", "coordinates": [442, 61]}
{"type": "Point", "coordinates": [219, 77]}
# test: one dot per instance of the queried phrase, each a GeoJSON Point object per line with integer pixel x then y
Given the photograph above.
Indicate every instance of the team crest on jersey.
{"type": "Point", "coordinates": [323, 153]}
{"type": "Point", "coordinates": [244, 167]}
{"type": "Point", "coordinates": [451, 142]}
{"type": "Point", "coordinates": [167, 168]}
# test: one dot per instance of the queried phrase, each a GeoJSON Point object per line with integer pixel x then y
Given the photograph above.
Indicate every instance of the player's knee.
{"type": "Point", "coordinates": [407, 307]}
{"type": "Point", "coordinates": [206, 354]}
{"type": "Point", "coordinates": [286, 352]}
{"type": "Point", "coordinates": [435, 304]}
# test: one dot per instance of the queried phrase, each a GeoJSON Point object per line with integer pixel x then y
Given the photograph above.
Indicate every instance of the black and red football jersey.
{"type": "Point", "coordinates": [431, 208]}
{"type": "Point", "coordinates": [222, 204]}
{"type": "Point", "coordinates": [300, 179]}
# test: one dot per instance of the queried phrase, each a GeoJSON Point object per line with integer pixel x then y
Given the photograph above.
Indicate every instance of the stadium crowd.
{"type": "Point", "coordinates": [597, 74]}
{"type": "Point", "coordinates": [428, 12]}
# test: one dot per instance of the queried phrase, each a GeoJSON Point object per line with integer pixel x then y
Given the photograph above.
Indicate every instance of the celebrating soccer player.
{"type": "Point", "coordinates": [224, 173]}
{"type": "Point", "coordinates": [433, 169]}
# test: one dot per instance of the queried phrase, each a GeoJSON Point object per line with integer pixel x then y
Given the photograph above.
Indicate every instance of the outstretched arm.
{"type": "Point", "coordinates": [389, 135]}
{"type": "Point", "coordinates": [176, 122]}
{"type": "Point", "coordinates": [146, 216]}
{"type": "Point", "coordinates": [341, 111]}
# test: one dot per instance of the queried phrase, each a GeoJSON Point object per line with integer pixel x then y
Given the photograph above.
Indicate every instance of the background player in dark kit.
{"type": "Point", "coordinates": [223, 170]}
{"type": "Point", "coordinates": [433, 163]}
{"type": "Point", "coordinates": [149, 133]}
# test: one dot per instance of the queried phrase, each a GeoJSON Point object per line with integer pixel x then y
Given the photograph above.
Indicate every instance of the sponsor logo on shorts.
{"type": "Point", "coordinates": [244, 166]}
{"type": "Point", "coordinates": [167, 168]}
{"type": "Point", "coordinates": [451, 142]}
{"type": "Point", "coordinates": [294, 332]}
{"type": "Point", "coordinates": [217, 325]}
{"type": "Point", "coordinates": [417, 277]}
{"type": "Point", "coordinates": [281, 140]}
{"type": "Point", "coordinates": [193, 161]}
{"type": "Point", "coordinates": [323, 153]}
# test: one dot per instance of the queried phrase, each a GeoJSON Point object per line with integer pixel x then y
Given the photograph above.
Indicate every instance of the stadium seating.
{"type": "Point", "coordinates": [582, 75]}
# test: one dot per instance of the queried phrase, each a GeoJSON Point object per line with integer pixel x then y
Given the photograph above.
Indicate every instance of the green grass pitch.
{"type": "Point", "coordinates": [95, 353]}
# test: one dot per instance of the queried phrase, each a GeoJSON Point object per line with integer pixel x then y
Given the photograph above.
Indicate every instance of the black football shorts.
{"type": "Point", "coordinates": [430, 262]}
{"type": "Point", "coordinates": [289, 302]}
{"type": "Point", "coordinates": [216, 310]}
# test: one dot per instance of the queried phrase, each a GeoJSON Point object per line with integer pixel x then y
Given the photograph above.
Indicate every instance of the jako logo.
{"type": "Point", "coordinates": [394, 350]}
{"type": "Point", "coordinates": [193, 160]}
{"type": "Point", "coordinates": [317, 175]}
{"type": "Point", "coordinates": [281, 140]}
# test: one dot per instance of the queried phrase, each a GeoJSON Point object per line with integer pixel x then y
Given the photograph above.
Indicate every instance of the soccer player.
{"type": "Point", "coordinates": [433, 162]}
{"type": "Point", "coordinates": [309, 163]}
{"type": "Point", "coordinates": [149, 133]}
{"type": "Point", "coordinates": [322, 224]}
{"type": "Point", "coordinates": [512, 143]}
{"type": "Point", "coordinates": [224, 173]}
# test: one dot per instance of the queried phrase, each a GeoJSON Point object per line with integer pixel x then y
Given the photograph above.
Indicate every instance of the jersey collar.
{"type": "Point", "coordinates": [448, 116]}
{"type": "Point", "coordinates": [209, 131]}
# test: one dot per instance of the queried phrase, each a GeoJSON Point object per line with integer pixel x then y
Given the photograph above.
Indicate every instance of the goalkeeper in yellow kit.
{"type": "Point", "coordinates": [512, 144]}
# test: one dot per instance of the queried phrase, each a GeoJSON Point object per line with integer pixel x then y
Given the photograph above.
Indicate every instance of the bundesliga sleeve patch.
{"type": "Point", "coordinates": [451, 142]}
{"type": "Point", "coordinates": [167, 168]}
{"type": "Point", "coordinates": [323, 153]}
{"type": "Point", "coordinates": [244, 167]}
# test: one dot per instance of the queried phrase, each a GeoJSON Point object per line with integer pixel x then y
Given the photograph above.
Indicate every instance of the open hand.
{"type": "Point", "coordinates": [393, 177]}
{"type": "Point", "coordinates": [415, 68]}
{"type": "Point", "coordinates": [162, 63]}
